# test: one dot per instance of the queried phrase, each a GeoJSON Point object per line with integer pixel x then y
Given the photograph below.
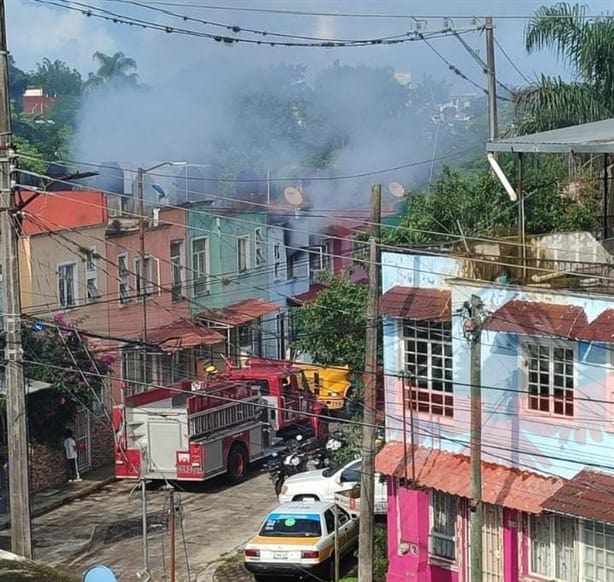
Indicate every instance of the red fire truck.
{"type": "Point", "coordinates": [204, 429]}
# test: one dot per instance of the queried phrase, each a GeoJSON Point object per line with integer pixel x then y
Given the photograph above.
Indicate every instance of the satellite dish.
{"type": "Point", "coordinates": [293, 196]}
{"type": "Point", "coordinates": [99, 574]}
{"type": "Point", "coordinates": [396, 189]}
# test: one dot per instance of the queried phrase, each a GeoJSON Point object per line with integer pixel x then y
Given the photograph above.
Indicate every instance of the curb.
{"type": "Point", "coordinates": [64, 500]}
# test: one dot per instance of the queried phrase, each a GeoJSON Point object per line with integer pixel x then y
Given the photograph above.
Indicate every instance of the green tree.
{"type": "Point", "coordinates": [116, 70]}
{"type": "Point", "coordinates": [332, 328]}
{"type": "Point", "coordinates": [18, 82]}
{"type": "Point", "coordinates": [57, 354]}
{"type": "Point", "coordinates": [471, 202]}
{"type": "Point", "coordinates": [56, 78]}
{"type": "Point", "coordinates": [587, 47]}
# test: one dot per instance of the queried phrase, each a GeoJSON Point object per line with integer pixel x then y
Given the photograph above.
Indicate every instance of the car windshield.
{"type": "Point", "coordinates": [304, 525]}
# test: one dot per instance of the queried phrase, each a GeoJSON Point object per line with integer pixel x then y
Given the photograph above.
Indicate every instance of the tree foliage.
{"type": "Point", "coordinates": [587, 47]}
{"type": "Point", "coordinates": [116, 70]}
{"type": "Point", "coordinates": [472, 202]}
{"type": "Point", "coordinates": [57, 354]}
{"type": "Point", "coordinates": [56, 78]}
{"type": "Point", "coordinates": [332, 328]}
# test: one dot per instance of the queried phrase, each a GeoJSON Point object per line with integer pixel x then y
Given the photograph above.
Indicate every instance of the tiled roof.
{"type": "Point", "coordinates": [416, 303]}
{"type": "Point", "coordinates": [535, 318]}
{"type": "Point", "coordinates": [182, 335]}
{"type": "Point", "coordinates": [239, 313]}
{"type": "Point", "coordinates": [601, 329]}
{"type": "Point", "coordinates": [451, 473]}
{"type": "Point", "coordinates": [309, 296]}
{"type": "Point", "coordinates": [589, 494]}
{"type": "Point", "coordinates": [63, 210]}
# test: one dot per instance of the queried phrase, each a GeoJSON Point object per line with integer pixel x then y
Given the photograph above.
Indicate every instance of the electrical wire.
{"type": "Point", "coordinates": [511, 62]}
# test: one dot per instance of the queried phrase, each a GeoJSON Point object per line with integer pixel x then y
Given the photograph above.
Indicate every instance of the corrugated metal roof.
{"type": "Point", "coordinates": [589, 494]}
{"type": "Point", "coordinates": [601, 329]}
{"type": "Point", "coordinates": [309, 296]}
{"type": "Point", "coordinates": [451, 473]}
{"type": "Point", "coordinates": [239, 313]}
{"type": "Point", "coordinates": [183, 334]}
{"type": "Point", "coordinates": [535, 318]}
{"type": "Point", "coordinates": [596, 137]}
{"type": "Point", "coordinates": [416, 303]}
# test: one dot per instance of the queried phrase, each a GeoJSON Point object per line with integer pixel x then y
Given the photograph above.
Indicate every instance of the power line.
{"type": "Point", "coordinates": [511, 62]}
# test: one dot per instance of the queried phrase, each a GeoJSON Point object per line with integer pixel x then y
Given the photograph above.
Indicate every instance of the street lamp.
{"type": "Point", "coordinates": [144, 574]}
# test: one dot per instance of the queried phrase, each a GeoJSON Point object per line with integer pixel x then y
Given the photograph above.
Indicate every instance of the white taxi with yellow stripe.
{"type": "Point", "coordinates": [297, 539]}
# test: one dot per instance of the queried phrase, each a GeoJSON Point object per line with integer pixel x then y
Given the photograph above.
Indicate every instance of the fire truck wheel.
{"type": "Point", "coordinates": [237, 464]}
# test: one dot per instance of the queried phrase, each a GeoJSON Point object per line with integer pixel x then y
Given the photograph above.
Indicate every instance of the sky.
{"type": "Point", "coordinates": [36, 30]}
{"type": "Point", "coordinates": [191, 79]}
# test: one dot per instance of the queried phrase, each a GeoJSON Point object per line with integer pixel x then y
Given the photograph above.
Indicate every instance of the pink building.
{"type": "Point", "coordinates": [149, 318]}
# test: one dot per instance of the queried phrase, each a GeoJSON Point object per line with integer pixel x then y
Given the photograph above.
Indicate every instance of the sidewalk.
{"type": "Point", "coordinates": [48, 500]}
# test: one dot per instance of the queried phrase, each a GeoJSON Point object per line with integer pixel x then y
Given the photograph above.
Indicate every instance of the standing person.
{"type": "Point", "coordinates": [70, 450]}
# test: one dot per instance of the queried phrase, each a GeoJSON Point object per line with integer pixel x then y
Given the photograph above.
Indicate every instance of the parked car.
{"type": "Point", "coordinates": [297, 539]}
{"type": "Point", "coordinates": [322, 484]}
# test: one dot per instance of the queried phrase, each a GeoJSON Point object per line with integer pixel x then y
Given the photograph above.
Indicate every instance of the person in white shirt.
{"type": "Point", "coordinates": [70, 450]}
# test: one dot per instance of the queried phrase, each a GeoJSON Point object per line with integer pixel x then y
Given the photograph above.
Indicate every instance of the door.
{"type": "Point", "coordinates": [83, 439]}
{"type": "Point", "coordinates": [492, 542]}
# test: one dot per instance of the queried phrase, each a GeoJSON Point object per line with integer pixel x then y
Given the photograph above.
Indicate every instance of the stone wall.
{"type": "Point", "coordinates": [48, 465]}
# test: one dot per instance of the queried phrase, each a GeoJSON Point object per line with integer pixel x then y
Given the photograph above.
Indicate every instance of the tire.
{"type": "Point", "coordinates": [237, 464]}
{"type": "Point", "coordinates": [330, 570]}
{"type": "Point", "coordinates": [260, 578]}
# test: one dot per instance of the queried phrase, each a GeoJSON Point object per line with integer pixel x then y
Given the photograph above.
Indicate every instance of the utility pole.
{"type": "Point", "coordinates": [493, 129]}
{"type": "Point", "coordinates": [336, 557]}
{"type": "Point", "coordinates": [367, 479]}
{"type": "Point", "coordinates": [472, 328]}
{"type": "Point", "coordinates": [141, 272]}
{"type": "Point", "coordinates": [17, 433]}
{"type": "Point", "coordinates": [172, 532]}
{"type": "Point", "coordinates": [144, 573]}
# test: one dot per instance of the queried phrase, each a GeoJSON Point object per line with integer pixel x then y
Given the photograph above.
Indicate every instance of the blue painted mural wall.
{"type": "Point", "coordinates": [512, 434]}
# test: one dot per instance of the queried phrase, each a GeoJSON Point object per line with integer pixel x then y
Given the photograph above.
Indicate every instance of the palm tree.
{"type": "Point", "coordinates": [116, 70]}
{"type": "Point", "coordinates": [587, 47]}
{"type": "Point", "coordinates": [56, 78]}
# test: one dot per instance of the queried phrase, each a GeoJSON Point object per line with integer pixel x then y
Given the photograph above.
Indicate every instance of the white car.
{"type": "Point", "coordinates": [322, 485]}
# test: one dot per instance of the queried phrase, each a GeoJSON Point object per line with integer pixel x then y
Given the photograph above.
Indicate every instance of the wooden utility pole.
{"type": "Point", "coordinates": [141, 274]}
{"type": "Point", "coordinates": [17, 433]}
{"type": "Point", "coordinates": [367, 480]}
{"type": "Point", "coordinates": [493, 129]}
{"type": "Point", "coordinates": [336, 556]}
{"type": "Point", "coordinates": [473, 331]}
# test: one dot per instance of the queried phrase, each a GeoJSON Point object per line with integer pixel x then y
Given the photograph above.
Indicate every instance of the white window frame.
{"type": "Point", "coordinates": [259, 247]}
{"type": "Point", "coordinates": [177, 271]}
{"type": "Point", "coordinates": [429, 387]}
{"type": "Point", "coordinates": [123, 277]}
{"type": "Point", "coordinates": [91, 275]}
{"type": "Point", "coordinates": [552, 546]}
{"type": "Point", "coordinates": [320, 257]}
{"type": "Point", "coordinates": [447, 507]}
{"type": "Point", "coordinates": [561, 376]}
{"type": "Point", "coordinates": [277, 265]}
{"type": "Point", "coordinates": [149, 274]}
{"type": "Point", "coordinates": [201, 267]}
{"type": "Point", "coordinates": [243, 253]}
{"type": "Point", "coordinates": [75, 279]}
{"type": "Point", "coordinates": [605, 531]}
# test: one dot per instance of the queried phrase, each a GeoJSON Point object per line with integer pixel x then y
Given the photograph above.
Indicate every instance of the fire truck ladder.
{"type": "Point", "coordinates": [225, 416]}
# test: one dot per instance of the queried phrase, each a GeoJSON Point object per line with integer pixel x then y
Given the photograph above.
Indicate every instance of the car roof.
{"type": "Point", "coordinates": [303, 506]}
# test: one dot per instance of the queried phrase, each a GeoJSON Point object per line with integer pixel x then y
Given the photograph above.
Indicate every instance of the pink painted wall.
{"type": "Point", "coordinates": [125, 321]}
{"type": "Point", "coordinates": [408, 523]}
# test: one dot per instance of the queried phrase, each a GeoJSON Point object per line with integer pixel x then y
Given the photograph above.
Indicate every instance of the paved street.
{"type": "Point", "coordinates": [105, 528]}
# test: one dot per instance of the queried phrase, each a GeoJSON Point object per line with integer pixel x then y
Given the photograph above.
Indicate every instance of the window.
{"type": "Point", "coordinates": [553, 547]}
{"type": "Point", "coordinates": [260, 247]}
{"type": "Point", "coordinates": [177, 271]}
{"type": "Point", "coordinates": [91, 275]}
{"type": "Point", "coordinates": [443, 525]}
{"type": "Point", "coordinates": [550, 378]}
{"type": "Point", "coordinates": [200, 266]}
{"type": "Point", "coordinates": [277, 260]}
{"type": "Point", "coordinates": [598, 558]}
{"type": "Point", "coordinates": [176, 367]}
{"type": "Point", "coordinates": [242, 253]}
{"type": "Point", "coordinates": [147, 278]}
{"type": "Point", "coordinates": [291, 266]}
{"type": "Point", "coordinates": [124, 281]}
{"type": "Point", "coordinates": [319, 258]}
{"type": "Point", "coordinates": [67, 284]}
{"type": "Point", "coordinates": [428, 362]}
{"type": "Point", "coordinates": [137, 369]}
